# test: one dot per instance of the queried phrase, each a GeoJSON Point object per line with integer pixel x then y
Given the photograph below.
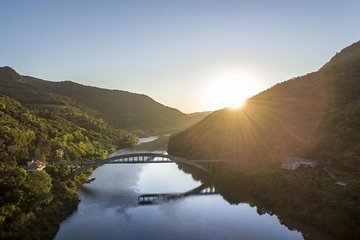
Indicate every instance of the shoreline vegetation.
{"type": "Point", "coordinates": [33, 203]}
{"type": "Point", "coordinates": [305, 199]}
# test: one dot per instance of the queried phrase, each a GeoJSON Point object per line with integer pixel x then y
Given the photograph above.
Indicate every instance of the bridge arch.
{"type": "Point", "coordinates": [142, 157]}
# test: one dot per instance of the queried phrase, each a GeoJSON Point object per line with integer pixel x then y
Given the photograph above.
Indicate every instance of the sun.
{"type": "Point", "coordinates": [237, 105]}
{"type": "Point", "coordinates": [230, 90]}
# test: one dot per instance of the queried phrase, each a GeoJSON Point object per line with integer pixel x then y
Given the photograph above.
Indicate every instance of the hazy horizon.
{"type": "Point", "coordinates": [193, 56]}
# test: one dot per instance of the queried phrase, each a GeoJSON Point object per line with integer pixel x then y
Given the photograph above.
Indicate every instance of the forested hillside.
{"type": "Point", "coordinates": [137, 113]}
{"type": "Point", "coordinates": [122, 109]}
{"type": "Point", "coordinates": [33, 203]}
{"type": "Point", "coordinates": [314, 116]}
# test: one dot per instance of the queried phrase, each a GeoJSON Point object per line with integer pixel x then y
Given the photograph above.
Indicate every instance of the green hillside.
{"type": "Point", "coordinates": [315, 115]}
{"type": "Point", "coordinates": [33, 203]}
{"type": "Point", "coordinates": [122, 109]}
{"type": "Point", "coordinates": [136, 112]}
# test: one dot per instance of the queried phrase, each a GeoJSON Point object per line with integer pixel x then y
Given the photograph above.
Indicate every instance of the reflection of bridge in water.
{"type": "Point", "coordinates": [136, 158]}
{"type": "Point", "coordinates": [155, 197]}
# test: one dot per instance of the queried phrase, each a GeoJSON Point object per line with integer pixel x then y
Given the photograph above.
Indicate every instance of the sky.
{"type": "Point", "coordinates": [191, 55]}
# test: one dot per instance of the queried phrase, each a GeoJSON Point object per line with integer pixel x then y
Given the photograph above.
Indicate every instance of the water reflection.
{"type": "Point", "coordinates": [147, 139]}
{"type": "Point", "coordinates": [109, 209]}
{"type": "Point", "coordinates": [154, 198]}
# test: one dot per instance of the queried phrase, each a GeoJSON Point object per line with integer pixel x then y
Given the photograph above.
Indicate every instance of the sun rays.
{"type": "Point", "coordinates": [230, 89]}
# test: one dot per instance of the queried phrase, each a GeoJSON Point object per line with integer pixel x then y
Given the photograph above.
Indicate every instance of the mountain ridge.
{"type": "Point", "coordinates": [123, 109]}
{"type": "Point", "coordinates": [297, 117]}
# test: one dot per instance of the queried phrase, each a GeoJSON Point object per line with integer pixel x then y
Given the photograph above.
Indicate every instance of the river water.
{"type": "Point", "coordinates": [109, 208]}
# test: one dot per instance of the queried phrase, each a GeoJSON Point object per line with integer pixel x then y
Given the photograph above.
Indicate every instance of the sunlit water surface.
{"type": "Point", "coordinates": [109, 209]}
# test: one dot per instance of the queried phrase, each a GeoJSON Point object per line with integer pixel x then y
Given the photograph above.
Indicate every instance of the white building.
{"type": "Point", "coordinates": [60, 153]}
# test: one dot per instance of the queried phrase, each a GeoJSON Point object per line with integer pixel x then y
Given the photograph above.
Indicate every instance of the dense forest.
{"type": "Point", "coordinates": [314, 117]}
{"type": "Point", "coordinates": [32, 204]}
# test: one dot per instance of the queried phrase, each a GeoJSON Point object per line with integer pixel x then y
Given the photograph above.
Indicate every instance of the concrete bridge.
{"type": "Point", "coordinates": [154, 197]}
{"type": "Point", "coordinates": [136, 158]}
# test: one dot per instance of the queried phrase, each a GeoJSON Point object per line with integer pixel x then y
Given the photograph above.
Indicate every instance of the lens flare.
{"type": "Point", "coordinates": [230, 90]}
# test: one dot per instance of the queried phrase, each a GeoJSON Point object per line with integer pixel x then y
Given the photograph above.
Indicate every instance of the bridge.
{"type": "Point", "coordinates": [136, 158]}
{"type": "Point", "coordinates": [155, 197]}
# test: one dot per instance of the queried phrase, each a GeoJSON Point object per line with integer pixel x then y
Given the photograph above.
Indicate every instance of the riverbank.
{"type": "Point", "coordinates": [65, 201]}
{"type": "Point", "coordinates": [305, 199]}
{"type": "Point", "coordinates": [32, 203]}
{"type": "Point", "coordinates": [153, 143]}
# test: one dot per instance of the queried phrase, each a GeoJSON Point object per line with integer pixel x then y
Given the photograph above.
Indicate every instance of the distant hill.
{"type": "Point", "coordinates": [121, 109]}
{"type": "Point", "coordinates": [315, 116]}
{"type": "Point", "coordinates": [197, 116]}
{"type": "Point", "coordinates": [200, 115]}
{"type": "Point", "coordinates": [54, 117]}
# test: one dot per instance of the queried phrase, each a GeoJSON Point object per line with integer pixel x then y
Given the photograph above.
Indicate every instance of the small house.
{"type": "Point", "coordinates": [35, 165]}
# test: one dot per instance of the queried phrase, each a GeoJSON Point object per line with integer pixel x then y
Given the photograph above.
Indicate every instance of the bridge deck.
{"type": "Point", "coordinates": [136, 158]}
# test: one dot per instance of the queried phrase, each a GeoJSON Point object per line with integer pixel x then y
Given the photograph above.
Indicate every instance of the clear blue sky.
{"type": "Point", "coordinates": [172, 50]}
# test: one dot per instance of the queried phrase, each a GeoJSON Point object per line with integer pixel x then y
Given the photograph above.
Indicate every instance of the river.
{"type": "Point", "coordinates": [109, 207]}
